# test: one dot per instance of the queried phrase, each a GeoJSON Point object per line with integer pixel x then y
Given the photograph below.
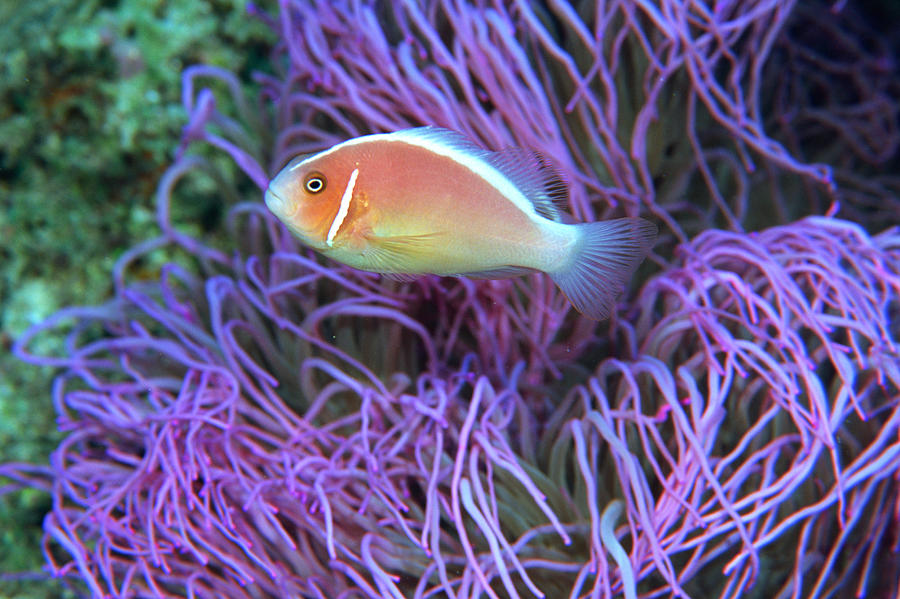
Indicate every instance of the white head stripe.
{"type": "Point", "coordinates": [343, 209]}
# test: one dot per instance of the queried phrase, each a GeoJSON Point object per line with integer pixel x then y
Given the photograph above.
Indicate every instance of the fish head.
{"type": "Point", "coordinates": [306, 194]}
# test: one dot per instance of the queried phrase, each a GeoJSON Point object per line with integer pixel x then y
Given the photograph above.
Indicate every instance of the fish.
{"type": "Point", "coordinates": [429, 200]}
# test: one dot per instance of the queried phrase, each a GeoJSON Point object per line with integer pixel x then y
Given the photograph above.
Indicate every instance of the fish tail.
{"type": "Point", "coordinates": [602, 259]}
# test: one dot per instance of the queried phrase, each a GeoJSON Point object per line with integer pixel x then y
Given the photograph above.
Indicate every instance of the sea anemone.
{"type": "Point", "coordinates": [257, 421]}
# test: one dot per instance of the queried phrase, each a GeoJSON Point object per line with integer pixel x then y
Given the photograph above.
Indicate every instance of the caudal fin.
{"type": "Point", "coordinates": [605, 256]}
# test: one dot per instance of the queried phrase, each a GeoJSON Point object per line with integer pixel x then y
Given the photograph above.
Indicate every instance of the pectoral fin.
{"type": "Point", "coordinates": [401, 255]}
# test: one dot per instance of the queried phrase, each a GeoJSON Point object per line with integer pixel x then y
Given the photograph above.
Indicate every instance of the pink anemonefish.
{"type": "Point", "coordinates": [429, 201]}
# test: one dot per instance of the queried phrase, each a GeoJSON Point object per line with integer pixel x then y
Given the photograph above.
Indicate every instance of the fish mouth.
{"type": "Point", "coordinates": [275, 203]}
{"type": "Point", "coordinates": [285, 211]}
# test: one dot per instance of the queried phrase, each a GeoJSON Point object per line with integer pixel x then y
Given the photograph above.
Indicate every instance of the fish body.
{"type": "Point", "coordinates": [429, 201]}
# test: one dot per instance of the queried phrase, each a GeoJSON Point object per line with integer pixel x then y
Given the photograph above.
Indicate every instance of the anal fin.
{"type": "Point", "coordinates": [503, 272]}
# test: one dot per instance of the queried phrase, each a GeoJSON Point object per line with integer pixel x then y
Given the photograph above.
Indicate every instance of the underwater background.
{"type": "Point", "coordinates": [90, 116]}
{"type": "Point", "coordinates": [742, 406]}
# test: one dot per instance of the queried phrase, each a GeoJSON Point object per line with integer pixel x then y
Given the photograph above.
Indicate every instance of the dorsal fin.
{"type": "Point", "coordinates": [529, 171]}
{"type": "Point", "coordinates": [536, 177]}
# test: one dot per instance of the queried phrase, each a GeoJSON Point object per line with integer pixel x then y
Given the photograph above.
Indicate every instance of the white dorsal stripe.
{"type": "Point", "coordinates": [343, 209]}
{"type": "Point", "coordinates": [431, 142]}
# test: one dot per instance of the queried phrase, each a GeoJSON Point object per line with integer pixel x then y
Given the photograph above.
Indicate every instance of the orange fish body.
{"type": "Point", "coordinates": [428, 201]}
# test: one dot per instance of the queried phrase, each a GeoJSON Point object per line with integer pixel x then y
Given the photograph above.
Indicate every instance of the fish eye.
{"type": "Point", "coordinates": [314, 183]}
